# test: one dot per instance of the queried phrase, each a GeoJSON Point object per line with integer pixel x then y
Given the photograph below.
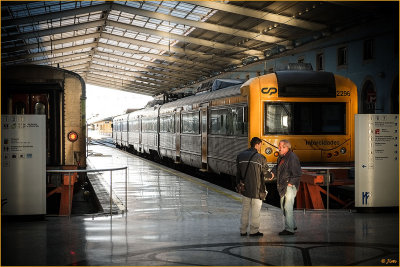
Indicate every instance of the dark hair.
{"type": "Point", "coordinates": [255, 141]}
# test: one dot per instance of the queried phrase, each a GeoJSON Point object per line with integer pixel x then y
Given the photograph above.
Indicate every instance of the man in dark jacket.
{"type": "Point", "coordinates": [251, 167]}
{"type": "Point", "coordinates": [287, 172]}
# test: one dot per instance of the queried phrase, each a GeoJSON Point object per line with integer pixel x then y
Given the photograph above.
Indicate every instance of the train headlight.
{"type": "Point", "coordinates": [268, 151]}
{"type": "Point", "coordinates": [72, 136]}
{"type": "Point", "coordinates": [343, 150]}
{"type": "Point", "coordinates": [336, 153]}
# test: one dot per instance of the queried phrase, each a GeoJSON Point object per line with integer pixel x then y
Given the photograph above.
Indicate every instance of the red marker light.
{"type": "Point", "coordinates": [72, 136]}
{"type": "Point", "coordinates": [329, 155]}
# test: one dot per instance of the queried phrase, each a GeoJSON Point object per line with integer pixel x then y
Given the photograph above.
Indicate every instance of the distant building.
{"type": "Point", "coordinates": [103, 126]}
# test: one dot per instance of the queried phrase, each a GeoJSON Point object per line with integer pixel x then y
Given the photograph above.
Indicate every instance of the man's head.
{"type": "Point", "coordinates": [256, 143]}
{"type": "Point", "coordinates": [284, 146]}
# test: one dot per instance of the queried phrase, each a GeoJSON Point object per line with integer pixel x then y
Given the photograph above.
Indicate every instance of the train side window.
{"type": "Point", "coordinates": [167, 124]}
{"type": "Point", "coordinates": [133, 125]}
{"type": "Point", "coordinates": [191, 123]}
{"type": "Point", "coordinates": [19, 108]}
{"type": "Point", "coordinates": [40, 108]}
{"type": "Point", "coordinates": [277, 118]}
{"type": "Point", "coordinates": [218, 121]}
{"type": "Point", "coordinates": [240, 121]}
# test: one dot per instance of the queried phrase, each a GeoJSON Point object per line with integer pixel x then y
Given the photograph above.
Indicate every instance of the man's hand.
{"type": "Point", "coordinates": [272, 176]}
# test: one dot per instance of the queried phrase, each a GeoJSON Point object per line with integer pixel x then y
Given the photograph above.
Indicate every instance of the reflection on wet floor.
{"type": "Point", "coordinates": [176, 219]}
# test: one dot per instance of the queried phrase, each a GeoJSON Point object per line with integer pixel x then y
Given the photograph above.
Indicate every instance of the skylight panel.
{"type": "Point", "coordinates": [201, 10]}
{"type": "Point", "coordinates": [178, 13]}
{"type": "Point", "coordinates": [149, 7]}
{"type": "Point", "coordinates": [193, 17]}
{"type": "Point", "coordinates": [177, 31]}
{"type": "Point", "coordinates": [132, 4]}
{"type": "Point", "coordinates": [151, 26]}
{"type": "Point", "coordinates": [131, 35]}
{"type": "Point", "coordinates": [163, 10]}
{"type": "Point", "coordinates": [154, 39]}
{"type": "Point", "coordinates": [164, 28]}
{"type": "Point", "coordinates": [184, 7]}
{"type": "Point", "coordinates": [124, 20]}
{"type": "Point", "coordinates": [170, 4]}
{"type": "Point", "coordinates": [37, 11]}
{"type": "Point", "coordinates": [68, 5]}
{"type": "Point", "coordinates": [138, 23]}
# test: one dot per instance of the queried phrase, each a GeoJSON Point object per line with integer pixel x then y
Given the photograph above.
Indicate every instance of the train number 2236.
{"type": "Point", "coordinates": [343, 93]}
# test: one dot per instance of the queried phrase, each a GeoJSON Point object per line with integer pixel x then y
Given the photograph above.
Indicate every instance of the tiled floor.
{"type": "Point", "coordinates": [176, 219]}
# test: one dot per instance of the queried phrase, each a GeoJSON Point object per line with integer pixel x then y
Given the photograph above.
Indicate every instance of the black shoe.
{"type": "Point", "coordinates": [257, 234]}
{"type": "Point", "coordinates": [244, 234]}
{"type": "Point", "coordinates": [286, 232]}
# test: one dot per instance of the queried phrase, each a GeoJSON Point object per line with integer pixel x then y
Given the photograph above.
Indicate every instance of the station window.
{"type": "Point", "coordinates": [191, 123]}
{"type": "Point", "coordinates": [320, 61]}
{"type": "Point", "coordinates": [368, 51]}
{"type": "Point", "coordinates": [342, 56]}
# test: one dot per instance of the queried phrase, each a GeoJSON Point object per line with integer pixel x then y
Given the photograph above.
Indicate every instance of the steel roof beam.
{"type": "Point", "coordinates": [141, 69]}
{"type": "Point", "coordinates": [267, 16]}
{"type": "Point", "coordinates": [198, 24]}
{"type": "Point", "coordinates": [169, 69]}
{"type": "Point", "coordinates": [56, 15]}
{"type": "Point", "coordinates": [103, 81]}
{"type": "Point", "coordinates": [186, 39]}
{"type": "Point", "coordinates": [55, 60]}
{"type": "Point", "coordinates": [130, 73]}
{"type": "Point", "coordinates": [107, 79]}
{"type": "Point", "coordinates": [47, 53]}
{"type": "Point", "coordinates": [133, 75]}
{"type": "Point", "coordinates": [158, 47]}
{"type": "Point", "coordinates": [109, 70]}
{"type": "Point", "coordinates": [173, 67]}
{"type": "Point", "coordinates": [52, 43]}
{"type": "Point", "coordinates": [52, 31]}
{"type": "Point", "coordinates": [119, 86]}
{"type": "Point", "coordinates": [123, 81]}
{"type": "Point", "coordinates": [100, 73]}
{"type": "Point", "coordinates": [200, 55]}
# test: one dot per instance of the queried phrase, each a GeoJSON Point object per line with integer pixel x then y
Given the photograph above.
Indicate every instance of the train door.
{"type": "Point", "coordinates": [140, 134]}
{"type": "Point", "coordinates": [204, 132]}
{"type": "Point", "coordinates": [178, 135]}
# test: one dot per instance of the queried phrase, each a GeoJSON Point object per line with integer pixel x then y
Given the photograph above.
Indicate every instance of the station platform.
{"type": "Point", "coordinates": [175, 219]}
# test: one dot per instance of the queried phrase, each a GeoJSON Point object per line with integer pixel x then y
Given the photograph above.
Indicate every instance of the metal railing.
{"type": "Point", "coordinates": [96, 170]}
{"type": "Point", "coordinates": [327, 177]}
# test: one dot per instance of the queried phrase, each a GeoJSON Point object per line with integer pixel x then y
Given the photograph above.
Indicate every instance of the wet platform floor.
{"type": "Point", "coordinates": [176, 219]}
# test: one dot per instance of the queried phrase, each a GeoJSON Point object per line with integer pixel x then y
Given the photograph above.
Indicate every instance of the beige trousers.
{"type": "Point", "coordinates": [251, 207]}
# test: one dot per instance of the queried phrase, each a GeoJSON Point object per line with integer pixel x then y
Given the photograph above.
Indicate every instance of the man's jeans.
{"type": "Point", "coordinates": [287, 203]}
{"type": "Point", "coordinates": [253, 206]}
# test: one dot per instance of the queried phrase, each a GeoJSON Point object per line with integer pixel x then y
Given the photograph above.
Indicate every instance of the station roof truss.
{"type": "Point", "coordinates": [152, 47]}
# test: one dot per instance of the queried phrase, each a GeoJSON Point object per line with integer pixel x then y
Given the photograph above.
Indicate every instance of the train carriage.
{"type": "Point", "coordinates": [60, 95]}
{"type": "Point", "coordinates": [314, 110]}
